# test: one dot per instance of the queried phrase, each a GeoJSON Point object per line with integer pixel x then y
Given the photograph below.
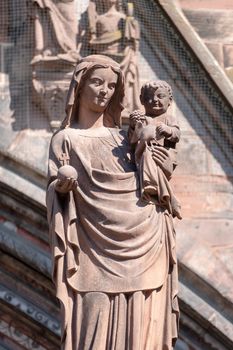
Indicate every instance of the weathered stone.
{"type": "Point", "coordinates": [218, 163]}
{"type": "Point", "coordinates": [202, 259]}
{"type": "Point", "coordinates": [217, 51]}
{"type": "Point", "coordinates": [228, 55]}
{"type": "Point", "coordinates": [193, 153]}
{"type": "Point", "coordinates": [31, 147]}
{"type": "Point", "coordinates": [215, 26]}
{"type": "Point", "coordinates": [206, 4]}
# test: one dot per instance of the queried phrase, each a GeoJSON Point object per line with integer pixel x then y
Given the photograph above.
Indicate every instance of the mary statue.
{"type": "Point", "coordinates": [114, 260]}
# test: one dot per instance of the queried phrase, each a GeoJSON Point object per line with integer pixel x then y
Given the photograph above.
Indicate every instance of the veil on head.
{"type": "Point", "coordinates": [112, 114]}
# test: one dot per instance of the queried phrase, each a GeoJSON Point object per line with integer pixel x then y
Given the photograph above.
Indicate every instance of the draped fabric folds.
{"type": "Point", "coordinates": [62, 29]}
{"type": "Point", "coordinates": [114, 259]}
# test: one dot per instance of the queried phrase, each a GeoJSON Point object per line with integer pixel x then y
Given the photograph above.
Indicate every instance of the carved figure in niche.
{"type": "Point", "coordinates": [156, 127]}
{"type": "Point", "coordinates": [55, 30]}
{"type": "Point", "coordinates": [114, 259]}
{"type": "Point", "coordinates": [116, 34]}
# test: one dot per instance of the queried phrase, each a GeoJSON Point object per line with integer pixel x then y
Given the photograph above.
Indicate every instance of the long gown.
{"type": "Point", "coordinates": [114, 255]}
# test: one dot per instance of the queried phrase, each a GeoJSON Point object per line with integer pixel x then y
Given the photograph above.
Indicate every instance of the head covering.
{"type": "Point", "coordinates": [112, 114]}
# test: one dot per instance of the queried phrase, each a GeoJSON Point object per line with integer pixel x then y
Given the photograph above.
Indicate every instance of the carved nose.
{"type": "Point", "coordinates": [103, 91]}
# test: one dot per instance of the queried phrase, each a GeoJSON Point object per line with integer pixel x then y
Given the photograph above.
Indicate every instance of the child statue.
{"type": "Point", "coordinates": [155, 127]}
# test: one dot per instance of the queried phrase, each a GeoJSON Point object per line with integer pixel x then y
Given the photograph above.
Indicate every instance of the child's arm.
{"type": "Point", "coordinates": [171, 133]}
{"type": "Point", "coordinates": [135, 117]}
{"type": "Point", "coordinates": [170, 130]}
{"type": "Point", "coordinates": [164, 130]}
{"type": "Point", "coordinates": [175, 135]}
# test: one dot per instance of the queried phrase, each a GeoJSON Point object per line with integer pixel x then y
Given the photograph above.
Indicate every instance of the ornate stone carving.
{"type": "Point", "coordinates": [50, 85]}
{"type": "Point", "coordinates": [15, 333]}
{"type": "Point", "coordinates": [29, 309]}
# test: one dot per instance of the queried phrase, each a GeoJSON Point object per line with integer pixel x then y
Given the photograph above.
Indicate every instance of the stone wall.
{"type": "Point", "coordinates": [213, 22]}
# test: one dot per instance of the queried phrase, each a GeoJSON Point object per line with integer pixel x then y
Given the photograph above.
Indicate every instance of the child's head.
{"type": "Point", "coordinates": [156, 97]}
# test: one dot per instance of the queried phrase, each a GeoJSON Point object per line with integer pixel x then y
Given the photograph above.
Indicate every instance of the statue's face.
{"type": "Point", "coordinates": [98, 89]}
{"type": "Point", "coordinates": [156, 101]}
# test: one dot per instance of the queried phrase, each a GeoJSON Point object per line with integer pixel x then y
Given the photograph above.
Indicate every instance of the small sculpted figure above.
{"type": "Point", "coordinates": [55, 28]}
{"type": "Point", "coordinates": [114, 258]}
{"type": "Point", "coordinates": [155, 127]}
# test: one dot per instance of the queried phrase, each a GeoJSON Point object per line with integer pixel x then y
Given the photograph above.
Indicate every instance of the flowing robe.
{"type": "Point", "coordinates": [113, 254]}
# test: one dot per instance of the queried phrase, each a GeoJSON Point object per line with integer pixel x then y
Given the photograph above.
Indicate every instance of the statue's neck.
{"type": "Point", "coordinates": [88, 119]}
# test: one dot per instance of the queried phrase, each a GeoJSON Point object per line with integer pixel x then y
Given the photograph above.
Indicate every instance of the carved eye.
{"type": "Point", "coordinates": [96, 81]}
{"type": "Point", "coordinates": [112, 86]}
{"type": "Point", "coordinates": [161, 96]}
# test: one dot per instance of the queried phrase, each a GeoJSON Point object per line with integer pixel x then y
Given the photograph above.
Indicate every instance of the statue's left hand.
{"type": "Point", "coordinates": [66, 185]}
{"type": "Point", "coordinates": [163, 159]}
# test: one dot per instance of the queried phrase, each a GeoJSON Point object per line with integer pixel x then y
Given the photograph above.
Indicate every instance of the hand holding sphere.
{"type": "Point", "coordinates": [66, 179]}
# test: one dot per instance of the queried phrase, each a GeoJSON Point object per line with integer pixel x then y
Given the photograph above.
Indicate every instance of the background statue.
{"type": "Point", "coordinates": [55, 55]}
{"type": "Point", "coordinates": [114, 256]}
{"type": "Point", "coordinates": [55, 29]}
{"type": "Point", "coordinates": [115, 33]}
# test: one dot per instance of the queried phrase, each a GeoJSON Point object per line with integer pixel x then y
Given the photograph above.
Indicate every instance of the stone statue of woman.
{"type": "Point", "coordinates": [114, 259]}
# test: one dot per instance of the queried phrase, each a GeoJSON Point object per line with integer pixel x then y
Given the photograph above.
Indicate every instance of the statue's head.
{"type": "Point", "coordinates": [84, 84]}
{"type": "Point", "coordinates": [156, 96]}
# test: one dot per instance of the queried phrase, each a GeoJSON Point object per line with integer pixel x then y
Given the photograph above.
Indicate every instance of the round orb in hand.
{"type": "Point", "coordinates": [67, 171]}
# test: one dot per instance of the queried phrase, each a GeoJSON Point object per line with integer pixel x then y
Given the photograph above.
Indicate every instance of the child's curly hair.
{"type": "Point", "coordinates": [154, 85]}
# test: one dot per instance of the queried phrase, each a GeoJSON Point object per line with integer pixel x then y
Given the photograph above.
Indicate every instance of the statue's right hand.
{"type": "Point", "coordinates": [65, 185]}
